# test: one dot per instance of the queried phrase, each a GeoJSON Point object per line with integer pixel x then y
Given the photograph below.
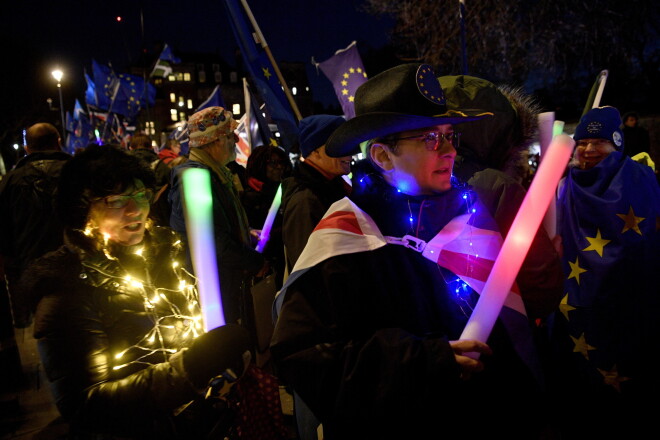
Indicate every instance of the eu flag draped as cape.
{"type": "Point", "coordinates": [607, 217]}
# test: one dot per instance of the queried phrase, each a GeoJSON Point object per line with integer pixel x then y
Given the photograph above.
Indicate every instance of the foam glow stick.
{"type": "Point", "coordinates": [518, 240]}
{"type": "Point", "coordinates": [198, 209]}
{"type": "Point", "coordinates": [546, 132]}
{"type": "Point", "coordinates": [270, 218]}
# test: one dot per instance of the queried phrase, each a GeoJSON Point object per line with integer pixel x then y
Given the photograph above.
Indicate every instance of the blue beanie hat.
{"type": "Point", "coordinates": [601, 123]}
{"type": "Point", "coordinates": [315, 131]}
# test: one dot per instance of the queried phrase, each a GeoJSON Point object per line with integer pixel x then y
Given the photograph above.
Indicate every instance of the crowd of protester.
{"type": "Point", "coordinates": [371, 270]}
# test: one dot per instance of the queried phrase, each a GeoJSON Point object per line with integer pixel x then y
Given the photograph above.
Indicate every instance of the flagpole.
{"type": "Point", "coordinates": [264, 45]}
{"type": "Point", "coordinates": [463, 38]}
{"type": "Point", "coordinates": [248, 106]}
{"type": "Point", "coordinates": [112, 103]}
{"type": "Point", "coordinates": [596, 92]}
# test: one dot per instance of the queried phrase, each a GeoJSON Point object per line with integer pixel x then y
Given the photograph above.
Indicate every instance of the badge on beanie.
{"type": "Point", "coordinates": [616, 138]}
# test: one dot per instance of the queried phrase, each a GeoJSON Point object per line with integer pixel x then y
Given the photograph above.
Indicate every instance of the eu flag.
{"type": "Point", "coordinates": [263, 75]}
{"type": "Point", "coordinates": [90, 93]}
{"type": "Point", "coordinates": [132, 95]}
{"type": "Point", "coordinates": [346, 72]}
{"type": "Point", "coordinates": [607, 218]}
{"type": "Point", "coordinates": [214, 100]}
{"type": "Point", "coordinates": [105, 83]}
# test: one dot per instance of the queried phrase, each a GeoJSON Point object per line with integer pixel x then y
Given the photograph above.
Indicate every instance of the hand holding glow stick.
{"type": "Point", "coordinates": [198, 209]}
{"type": "Point", "coordinates": [518, 240]}
{"type": "Point", "coordinates": [270, 218]}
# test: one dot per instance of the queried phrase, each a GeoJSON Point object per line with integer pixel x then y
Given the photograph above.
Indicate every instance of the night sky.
{"type": "Point", "coordinates": [42, 35]}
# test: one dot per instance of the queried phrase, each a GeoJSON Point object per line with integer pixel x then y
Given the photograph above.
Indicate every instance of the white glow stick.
{"type": "Point", "coordinates": [198, 209]}
{"type": "Point", "coordinates": [518, 240]}
{"type": "Point", "coordinates": [270, 218]}
{"type": "Point", "coordinates": [546, 126]}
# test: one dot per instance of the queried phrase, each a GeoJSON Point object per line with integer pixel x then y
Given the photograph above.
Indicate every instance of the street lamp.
{"type": "Point", "coordinates": [57, 74]}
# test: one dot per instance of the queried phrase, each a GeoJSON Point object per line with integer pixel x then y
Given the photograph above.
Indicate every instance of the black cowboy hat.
{"type": "Point", "coordinates": [405, 97]}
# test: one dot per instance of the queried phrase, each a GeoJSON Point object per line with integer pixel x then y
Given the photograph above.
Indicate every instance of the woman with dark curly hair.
{"type": "Point", "coordinates": [117, 317]}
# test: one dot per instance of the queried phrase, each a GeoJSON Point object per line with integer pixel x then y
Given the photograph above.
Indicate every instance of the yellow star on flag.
{"type": "Point", "coordinates": [273, 142]}
{"type": "Point", "coordinates": [576, 270]}
{"type": "Point", "coordinates": [596, 243]}
{"type": "Point", "coordinates": [267, 73]}
{"type": "Point", "coordinates": [345, 75]}
{"type": "Point", "coordinates": [351, 98]}
{"type": "Point", "coordinates": [581, 346]}
{"type": "Point", "coordinates": [612, 377]}
{"type": "Point", "coordinates": [344, 92]}
{"type": "Point", "coordinates": [344, 83]}
{"type": "Point", "coordinates": [364, 74]}
{"type": "Point", "coordinates": [630, 221]}
{"type": "Point", "coordinates": [565, 307]}
{"type": "Point", "coordinates": [351, 70]}
{"type": "Point", "coordinates": [359, 70]}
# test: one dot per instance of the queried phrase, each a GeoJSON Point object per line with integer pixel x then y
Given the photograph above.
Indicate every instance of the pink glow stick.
{"type": "Point", "coordinates": [519, 239]}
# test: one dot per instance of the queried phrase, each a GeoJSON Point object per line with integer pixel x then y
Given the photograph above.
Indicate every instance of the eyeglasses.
{"type": "Point", "coordinates": [432, 139]}
{"type": "Point", "coordinates": [142, 196]}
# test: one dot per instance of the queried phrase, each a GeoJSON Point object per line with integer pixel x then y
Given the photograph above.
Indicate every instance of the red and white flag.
{"type": "Point", "coordinates": [464, 249]}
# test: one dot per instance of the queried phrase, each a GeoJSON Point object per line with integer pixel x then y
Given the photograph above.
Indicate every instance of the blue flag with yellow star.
{"type": "Point", "coordinates": [263, 75]}
{"type": "Point", "coordinates": [132, 95]}
{"type": "Point", "coordinates": [104, 82]}
{"type": "Point", "coordinates": [607, 218]}
{"type": "Point", "coordinates": [346, 72]}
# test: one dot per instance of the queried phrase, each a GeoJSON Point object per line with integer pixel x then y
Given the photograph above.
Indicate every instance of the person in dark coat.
{"type": "Point", "coordinates": [28, 226]}
{"type": "Point", "coordinates": [118, 320]}
{"type": "Point", "coordinates": [212, 147]}
{"type": "Point", "coordinates": [266, 167]}
{"type": "Point", "coordinates": [369, 325]}
{"type": "Point", "coordinates": [316, 184]}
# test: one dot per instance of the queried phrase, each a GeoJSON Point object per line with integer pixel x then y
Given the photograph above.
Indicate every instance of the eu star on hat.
{"type": "Point", "coordinates": [601, 123]}
{"type": "Point", "coordinates": [210, 124]}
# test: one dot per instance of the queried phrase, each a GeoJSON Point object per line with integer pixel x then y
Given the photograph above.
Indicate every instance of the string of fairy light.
{"type": "Point", "coordinates": [461, 290]}
{"type": "Point", "coordinates": [159, 305]}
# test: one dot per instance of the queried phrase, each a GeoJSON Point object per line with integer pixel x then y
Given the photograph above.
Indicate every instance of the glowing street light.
{"type": "Point", "coordinates": [57, 74]}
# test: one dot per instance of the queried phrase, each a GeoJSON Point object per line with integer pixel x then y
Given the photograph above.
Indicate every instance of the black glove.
{"type": "Point", "coordinates": [217, 352]}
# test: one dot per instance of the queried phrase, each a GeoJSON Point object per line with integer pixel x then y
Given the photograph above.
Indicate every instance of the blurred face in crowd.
{"type": "Point", "coordinates": [417, 162]}
{"type": "Point", "coordinates": [590, 152]}
{"type": "Point", "coordinates": [122, 217]}
{"type": "Point", "coordinates": [630, 121]}
{"type": "Point", "coordinates": [275, 167]}
{"type": "Point", "coordinates": [332, 166]}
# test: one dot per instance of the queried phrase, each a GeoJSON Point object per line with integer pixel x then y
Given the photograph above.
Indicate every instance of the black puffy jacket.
{"type": "Point", "coordinates": [110, 346]}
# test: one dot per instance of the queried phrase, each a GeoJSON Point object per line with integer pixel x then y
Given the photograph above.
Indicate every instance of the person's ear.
{"type": "Point", "coordinates": [381, 156]}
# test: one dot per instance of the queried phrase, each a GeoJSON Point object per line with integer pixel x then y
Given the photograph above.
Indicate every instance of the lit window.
{"type": "Point", "coordinates": [182, 116]}
{"type": "Point", "coordinates": [201, 76]}
{"type": "Point", "coordinates": [236, 109]}
{"type": "Point", "coordinates": [179, 76]}
{"type": "Point", "coordinates": [171, 78]}
{"type": "Point", "coordinates": [172, 97]}
{"type": "Point", "coordinates": [294, 90]}
{"type": "Point", "coordinates": [173, 114]}
{"type": "Point", "coordinates": [186, 76]}
{"type": "Point", "coordinates": [190, 103]}
{"type": "Point", "coordinates": [181, 101]}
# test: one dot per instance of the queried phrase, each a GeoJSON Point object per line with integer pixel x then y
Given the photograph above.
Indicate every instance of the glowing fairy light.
{"type": "Point", "coordinates": [172, 327]}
